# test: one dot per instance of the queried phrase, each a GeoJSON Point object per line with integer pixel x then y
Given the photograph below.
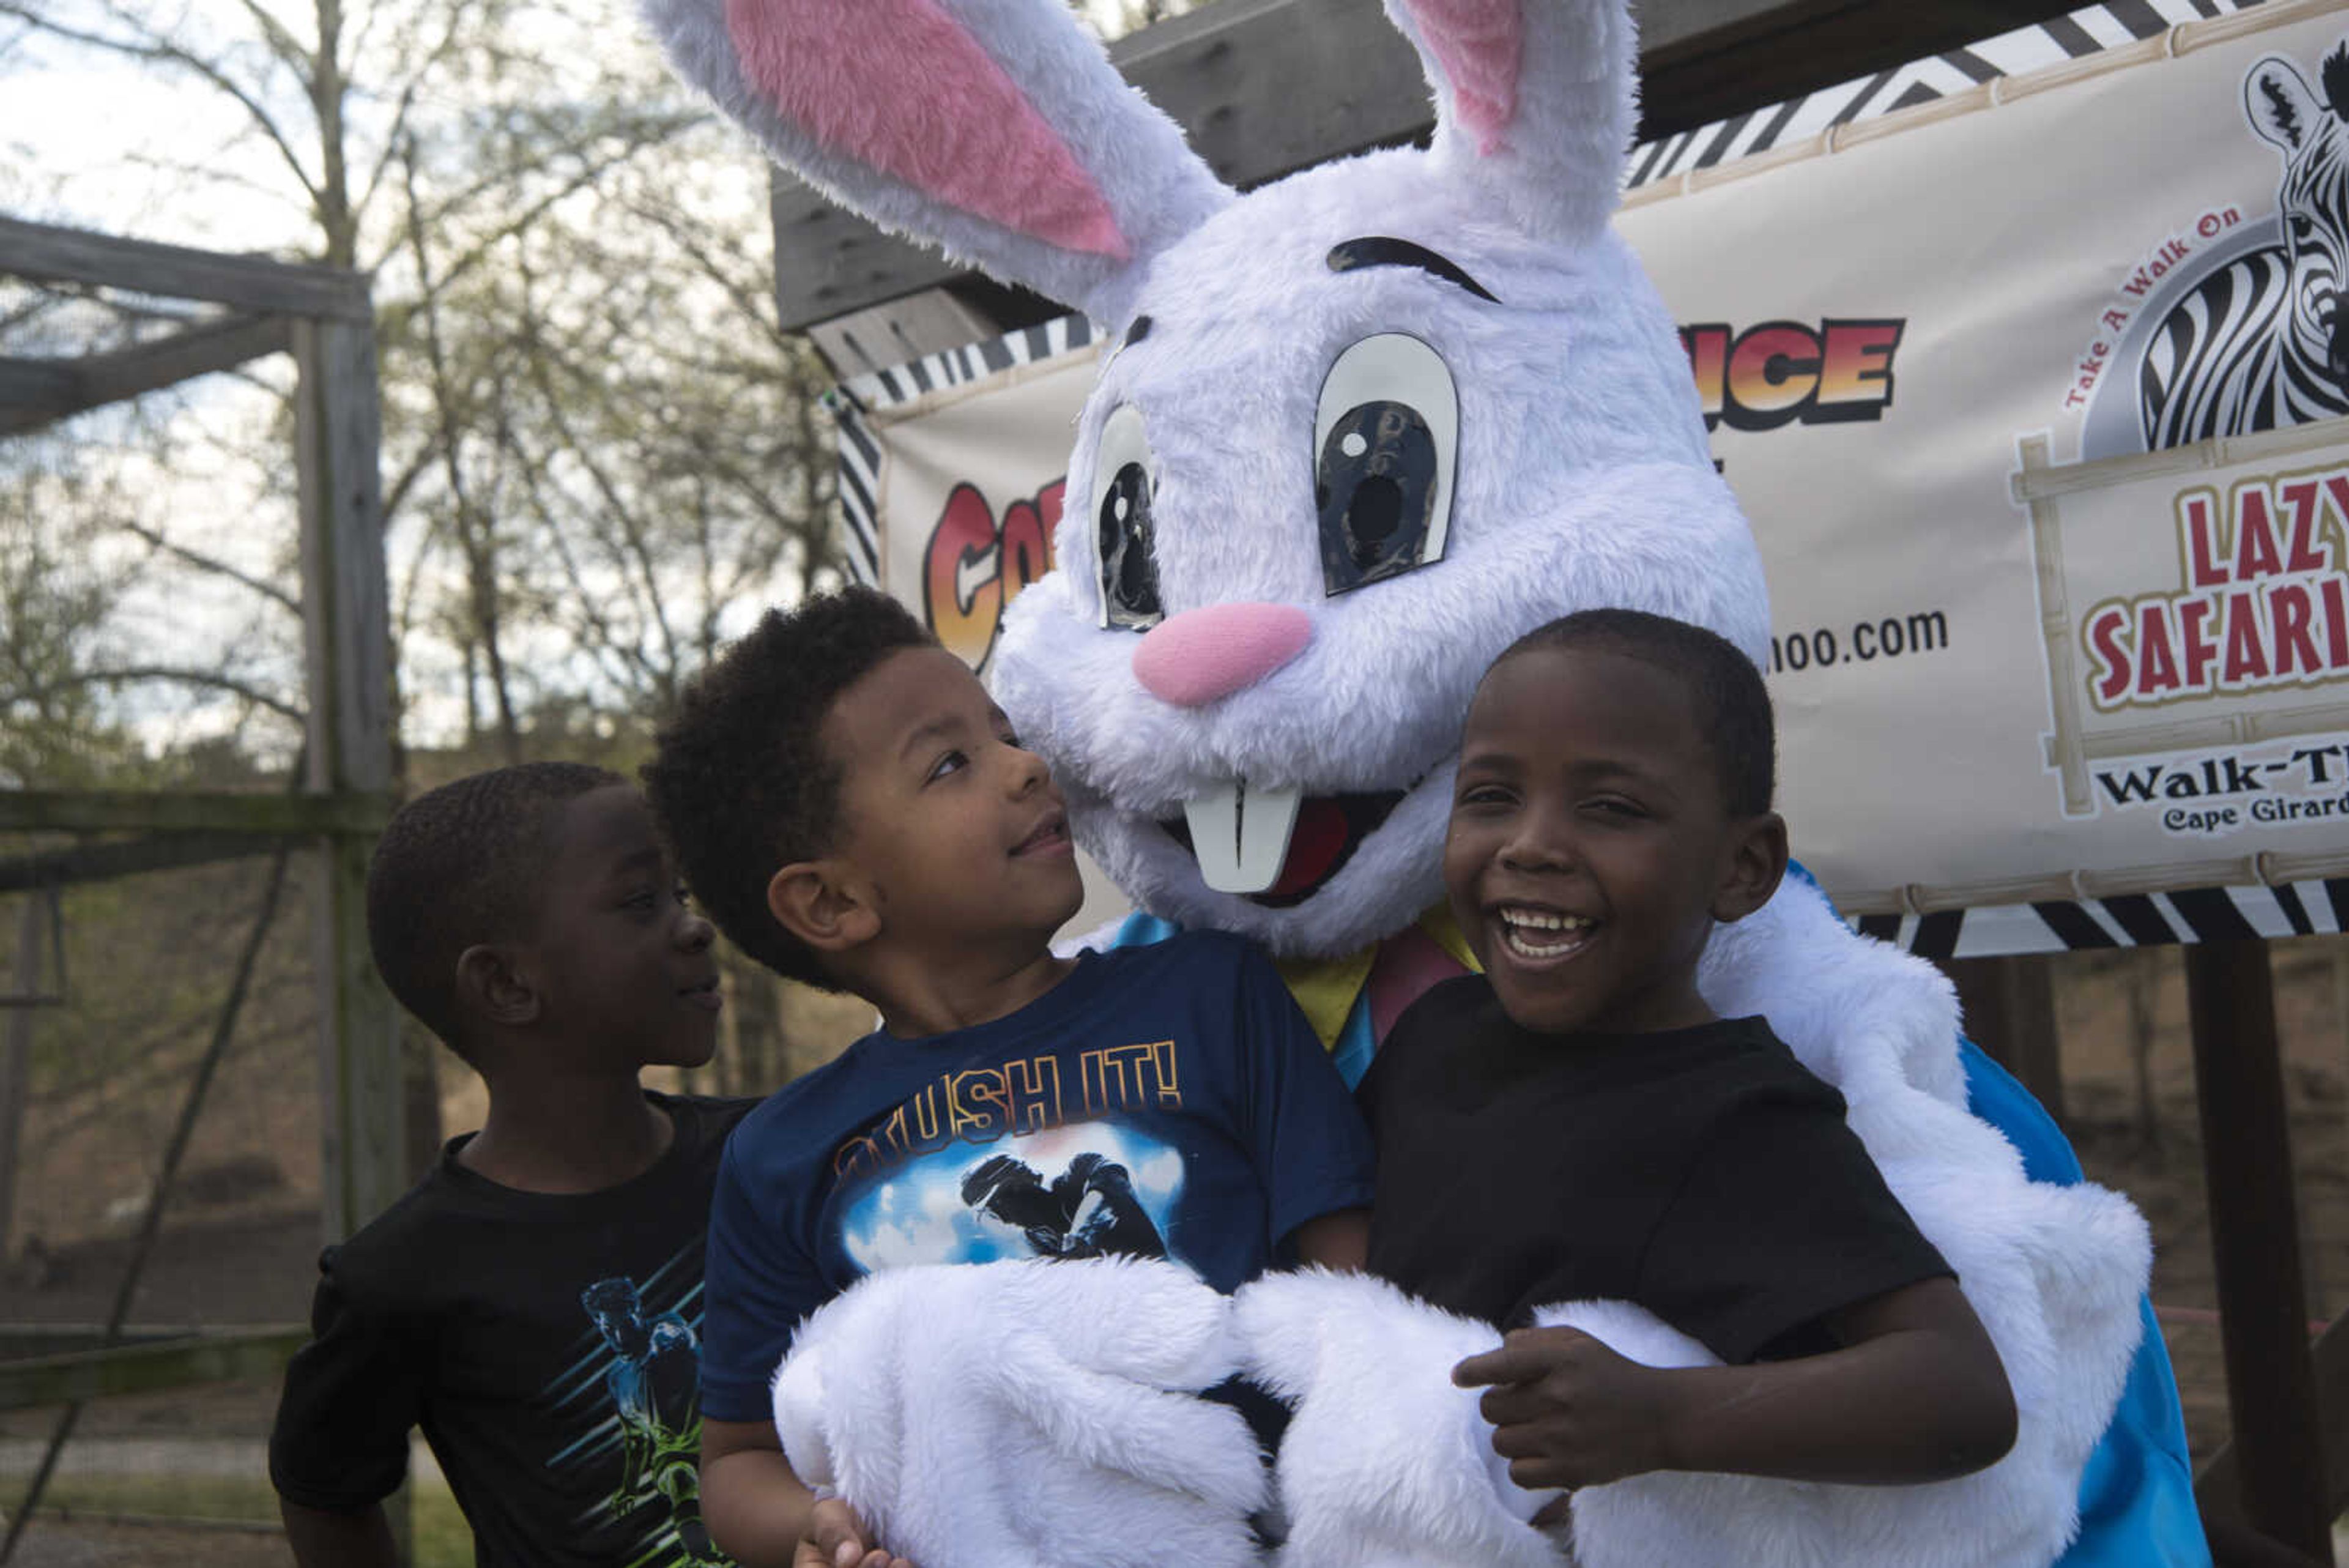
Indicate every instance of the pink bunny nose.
{"type": "Point", "coordinates": [1191, 658]}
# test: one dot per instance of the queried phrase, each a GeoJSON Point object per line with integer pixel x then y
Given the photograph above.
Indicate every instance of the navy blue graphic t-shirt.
{"type": "Point", "coordinates": [1166, 1101]}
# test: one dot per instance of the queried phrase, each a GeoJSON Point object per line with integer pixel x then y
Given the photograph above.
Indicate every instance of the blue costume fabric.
{"type": "Point", "coordinates": [2136, 1500]}
{"type": "Point", "coordinates": [1165, 1101]}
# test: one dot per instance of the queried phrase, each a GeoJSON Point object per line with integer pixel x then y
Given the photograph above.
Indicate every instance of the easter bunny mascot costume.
{"type": "Point", "coordinates": [1354, 434]}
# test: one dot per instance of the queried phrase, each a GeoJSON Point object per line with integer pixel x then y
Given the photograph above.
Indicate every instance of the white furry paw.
{"type": "Point", "coordinates": [1028, 1415]}
{"type": "Point", "coordinates": [1387, 1463]}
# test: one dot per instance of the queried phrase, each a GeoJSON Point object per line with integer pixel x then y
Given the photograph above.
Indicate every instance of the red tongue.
{"type": "Point", "coordinates": [1314, 845]}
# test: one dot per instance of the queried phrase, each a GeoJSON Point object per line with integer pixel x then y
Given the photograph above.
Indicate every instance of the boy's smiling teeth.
{"type": "Point", "coordinates": [1540, 934]}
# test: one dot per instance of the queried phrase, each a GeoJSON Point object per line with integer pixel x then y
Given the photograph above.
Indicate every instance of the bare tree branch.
{"type": "Point", "coordinates": [586, 175]}
{"type": "Point", "coordinates": [160, 50]}
{"type": "Point", "coordinates": [197, 558]}
{"type": "Point", "coordinates": [476, 534]}
{"type": "Point", "coordinates": [124, 674]}
{"type": "Point", "coordinates": [397, 135]}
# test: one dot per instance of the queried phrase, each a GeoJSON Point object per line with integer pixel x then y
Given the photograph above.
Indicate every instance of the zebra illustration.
{"type": "Point", "coordinates": [2263, 342]}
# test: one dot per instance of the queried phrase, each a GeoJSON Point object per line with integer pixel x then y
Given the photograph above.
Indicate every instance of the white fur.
{"type": "Point", "coordinates": [1027, 1415]}
{"type": "Point", "coordinates": [1386, 1464]}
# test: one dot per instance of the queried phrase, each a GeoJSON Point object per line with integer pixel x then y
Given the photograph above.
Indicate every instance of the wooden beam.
{"type": "Point", "coordinates": [51, 254]}
{"type": "Point", "coordinates": [114, 859]}
{"type": "Point", "coordinates": [346, 626]}
{"type": "Point", "coordinates": [30, 387]}
{"type": "Point", "coordinates": [2255, 1245]}
{"type": "Point", "coordinates": [2008, 1005]}
{"type": "Point", "coordinates": [2217, 1486]}
{"type": "Point", "coordinates": [73, 386]}
{"type": "Point", "coordinates": [17, 1069]}
{"type": "Point", "coordinates": [1263, 88]}
{"type": "Point", "coordinates": [105, 811]}
{"type": "Point", "coordinates": [20, 1340]}
{"type": "Point", "coordinates": [222, 1358]}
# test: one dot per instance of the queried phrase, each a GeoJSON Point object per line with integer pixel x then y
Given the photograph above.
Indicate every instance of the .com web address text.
{"type": "Point", "coordinates": [1902, 635]}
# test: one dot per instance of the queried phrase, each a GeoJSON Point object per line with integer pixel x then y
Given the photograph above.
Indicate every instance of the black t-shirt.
{"type": "Point", "coordinates": [1702, 1173]}
{"type": "Point", "coordinates": [548, 1346]}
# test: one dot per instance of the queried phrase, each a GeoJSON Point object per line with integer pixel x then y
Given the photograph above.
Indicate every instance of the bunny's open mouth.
{"type": "Point", "coordinates": [1274, 847]}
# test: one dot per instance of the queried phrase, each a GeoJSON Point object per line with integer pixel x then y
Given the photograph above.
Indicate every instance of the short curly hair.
{"type": "Point", "coordinates": [1732, 705]}
{"type": "Point", "coordinates": [460, 865]}
{"type": "Point", "coordinates": [738, 779]}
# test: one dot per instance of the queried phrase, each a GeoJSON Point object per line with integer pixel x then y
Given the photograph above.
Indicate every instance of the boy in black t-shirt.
{"type": "Point", "coordinates": [856, 814]}
{"type": "Point", "coordinates": [532, 1304]}
{"type": "Point", "coordinates": [1575, 1124]}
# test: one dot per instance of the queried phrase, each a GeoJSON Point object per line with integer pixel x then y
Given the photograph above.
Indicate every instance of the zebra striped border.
{"type": "Point", "coordinates": [2091, 30]}
{"type": "Point", "coordinates": [2137, 919]}
{"type": "Point", "coordinates": [853, 402]}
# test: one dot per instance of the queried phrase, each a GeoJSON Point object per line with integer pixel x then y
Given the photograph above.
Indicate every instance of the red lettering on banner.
{"type": "Point", "coordinates": [1855, 382]}
{"type": "Point", "coordinates": [2256, 552]}
{"type": "Point", "coordinates": [1772, 372]}
{"type": "Point", "coordinates": [2262, 600]}
{"type": "Point", "coordinates": [2106, 634]}
{"type": "Point", "coordinates": [2300, 553]}
{"type": "Point", "coordinates": [2202, 551]}
{"type": "Point", "coordinates": [2194, 636]}
{"type": "Point", "coordinates": [1787, 372]}
{"type": "Point", "coordinates": [972, 570]}
{"type": "Point", "coordinates": [2156, 666]}
{"type": "Point", "coordinates": [2295, 646]}
{"type": "Point", "coordinates": [2247, 654]}
{"type": "Point", "coordinates": [1708, 353]}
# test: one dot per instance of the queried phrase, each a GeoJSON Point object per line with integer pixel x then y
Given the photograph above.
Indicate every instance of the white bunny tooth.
{"type": "Point", "coordinates": [1240, 835]}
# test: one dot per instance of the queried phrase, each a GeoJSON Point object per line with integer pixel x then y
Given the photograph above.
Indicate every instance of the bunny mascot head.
{"type": "Point", "coordinates": [1354, 434]}
{"type": "Point", "coordinates": [1361, 430]}
{"type": "Point", "coordinates": [1358, 430]}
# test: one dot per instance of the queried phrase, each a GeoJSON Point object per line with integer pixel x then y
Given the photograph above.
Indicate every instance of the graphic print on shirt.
{"type": "Point", "coordinates": [1037, 1156]}
{"type": "Point", "coordinates": [636, 1389]}
{"type": "Point", "coordinates": [1087, 1191]}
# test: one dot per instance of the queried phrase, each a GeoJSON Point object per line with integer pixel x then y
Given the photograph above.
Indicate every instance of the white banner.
{"type": "Point", "coordinates": [2034, 393]}
{"type": "Point", "coordinates": [2060, 609]}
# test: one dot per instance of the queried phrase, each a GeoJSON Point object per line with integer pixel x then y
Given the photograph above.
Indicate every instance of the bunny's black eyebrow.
{"type": "Point", "coordinates": [1380, 250]}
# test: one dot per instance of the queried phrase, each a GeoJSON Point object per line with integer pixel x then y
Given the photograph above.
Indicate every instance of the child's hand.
{"type": "Point", "coordinates": [1568, 1412]}
{"type": "Point", "coordinates": [836, 1538]}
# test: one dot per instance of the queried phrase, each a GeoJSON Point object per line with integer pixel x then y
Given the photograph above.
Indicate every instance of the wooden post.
{"type": "Point", "coordinates": [344, 617]}
{"type": "Point", "coordinates": [16, 1070]}
{"type": "Point", "coordinates": [350, 750]}
{"type": "Point", "coordinates": [2009, 1008]}
{"type": "Point", "coordinates": [2255, 1243]}
{"type": "Point", "coordinates": [337, 431]}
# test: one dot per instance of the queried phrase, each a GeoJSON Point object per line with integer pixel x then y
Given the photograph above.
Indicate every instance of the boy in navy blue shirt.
{"type": "Point", "coordinates": [855, 813]}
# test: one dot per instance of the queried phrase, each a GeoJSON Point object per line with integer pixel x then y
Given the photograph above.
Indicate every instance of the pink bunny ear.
{"type": "Point", "coordinates": [1535, 101]}
{"type": "Point", "coordinates": [996, 130]}
{"type": "Point", "coordinates": [1478, 47]}
{"type": "Point", "coordinates": [816, 64]}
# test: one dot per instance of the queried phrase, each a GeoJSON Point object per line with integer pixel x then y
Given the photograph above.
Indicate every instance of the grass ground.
{"type": "Point", "coordinates": [86, 1518]}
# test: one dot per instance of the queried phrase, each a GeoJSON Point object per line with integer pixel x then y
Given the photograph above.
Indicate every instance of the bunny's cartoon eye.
{"type": "Point", "coordinates": [1123, 488]}
{"type": "Point", "coordinates": [1385, 438]}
